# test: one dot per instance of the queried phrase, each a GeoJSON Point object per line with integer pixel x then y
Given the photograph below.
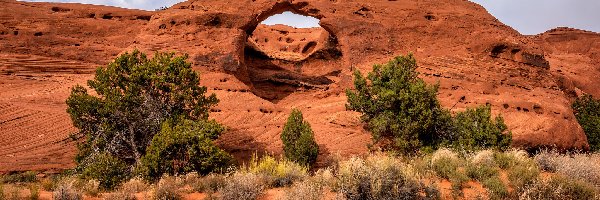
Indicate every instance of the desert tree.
{"type": "Point", "coordinates": [132, 97]}
{"type": "Point", "coordinates": [299, 144]}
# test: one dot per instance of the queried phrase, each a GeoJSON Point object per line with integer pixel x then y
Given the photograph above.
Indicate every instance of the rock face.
{"type": "Point", "coordinates": [46, 48]}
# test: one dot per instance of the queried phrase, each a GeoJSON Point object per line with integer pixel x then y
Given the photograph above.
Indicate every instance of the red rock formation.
{"type": "Point", "coordinates": [45, 48]}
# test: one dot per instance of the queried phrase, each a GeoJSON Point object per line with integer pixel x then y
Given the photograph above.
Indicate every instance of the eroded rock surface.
{"type": "Point", "coordinates": [45, 48]}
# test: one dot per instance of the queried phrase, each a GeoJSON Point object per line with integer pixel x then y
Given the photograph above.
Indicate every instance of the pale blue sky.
{"type": "Point", "coordinates": [526, 16]}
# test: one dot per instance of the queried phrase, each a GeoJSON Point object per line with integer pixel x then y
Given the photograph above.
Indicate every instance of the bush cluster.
{"type": "Point", "coordinates": [587, 112]}
{"type": "Point", "coordinates": [377, 177]}
{"type": "Point", "coordinates": [184, 148]}
{"type": "Point", "coordinates": [277, 173]}
{"type": "Point", "coordinates": [107, 169]}
{"type": "Point", "coordinates": [299, 144]}
{"type": "Point", "coordinates": [143, 109]}
{"type": "Point", "coordinates": [402, 110]}
{"type": "Point", "coordinates": [242, 186]}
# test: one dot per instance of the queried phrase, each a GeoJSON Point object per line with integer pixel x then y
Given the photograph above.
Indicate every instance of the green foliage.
{"type": "Point", "coordinates": [474, 129]}
{"type": "Point", "coordinates": [481, 172]}
{"type": "Point", "coordinates": [133, 96]}
{"type": "Point", "coordinates": [398, 106]}
{"type": "Point", "coordinates": [587, 112]}
{"type": "Point", "coordinates": [24, 177]}
{"type": "Point", "coordinates": [496, 188]}
{"type": "Point", "coordinates": [277, 173]}
{"type": "Point", "coordinates": [299, 144]}
{"type": "Point", "coordinates": [109, 170]}
{"type": "Point", "coordinates": [183, 148]}
{"type": "Point", "coordinates": [522, 175]}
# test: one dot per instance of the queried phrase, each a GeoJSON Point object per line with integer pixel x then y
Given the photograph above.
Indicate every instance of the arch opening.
{"type": "Point", "coordinates": [288, 52]}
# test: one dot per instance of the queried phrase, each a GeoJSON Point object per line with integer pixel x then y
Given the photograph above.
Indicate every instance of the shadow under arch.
{"type": "Point", "coordinates": [274, 75]}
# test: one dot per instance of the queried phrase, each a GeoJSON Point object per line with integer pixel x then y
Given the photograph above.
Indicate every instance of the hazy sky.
{"type": "Point", "coordinates": [526, 16]}
{"type": "Point", "coordinates": [536, 16]}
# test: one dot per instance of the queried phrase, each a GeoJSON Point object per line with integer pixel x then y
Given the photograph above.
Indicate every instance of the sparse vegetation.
{"type": "Point", "coordinates": [34, 192]}
{"type": "Point", "coordinates": [585, 167]}
{"type": "Point", "coordinates": [134, 99]}
{"type": "Point", "coordinates": [403, 113]}
{"type": "Point", "coordinates": [168, 189]}
{"type": "Point", "coordinates": [587, 112]}
{"type": "Point", "coordinates": [558, 187]}
{"type": "Point", "coordinates": [184, 148]}
{"type": "Point", "coordinates": [107, 169]}
{"type": "Point", "coordinates": [24, 177]}
{"type": "Point", "coordinates": [399, 107]}
{"type": "Point", "coordinates": [177, 154]}
{"type": "Point", "coordinates": [277, 173]}
{"type": "Point", "coordinates": [298, 140]}
{"type": "Point", "coordinates": [242, 186]}
{"type": "Point", "coordinates": [377, 177]}
{"type": "Point", "coordinates": [474, 129]}
{"type": "Point", "coordinates": [66, 191]}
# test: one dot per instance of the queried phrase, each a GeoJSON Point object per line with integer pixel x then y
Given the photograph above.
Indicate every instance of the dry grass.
{"type": "Point", "coordinates": [134, 185]}
{"type": "Point", "coordinates": [559, 188]}
{"type": "Point", "coordinates": [312, 188]}
{"type": "Point", "coordinates": [168, 188]}
{"type": "Point", "coordinates": [585, 167]}
{"type": "Point", "coordinates": [377, 177]}
{"type": "Point", "coordinates": [242, 186]}
{"type": "Point", "coordinates": [67, 191]}
{"type": "Point", "coordinates": [277, 173]}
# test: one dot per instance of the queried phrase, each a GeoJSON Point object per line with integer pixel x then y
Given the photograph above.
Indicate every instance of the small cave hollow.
{"type": "Point", "coordinates": [289, 51]}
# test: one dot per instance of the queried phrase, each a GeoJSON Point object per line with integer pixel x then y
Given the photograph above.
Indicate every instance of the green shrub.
{"type": "Point", "coordinates": [398, 106]}
{"type": "Point", "coordinates": [481, 172]}
{"type": "Point", "coordinates": [474, 129]}
{"type": "Point", "coordinates": [587, 112]}
{"type": "Point", "coordinates": [242, 186]}
{"type": "Point", "coordinates": [377, 177]}
{"type": "Point", "coordinates": [24, 177]}
{"type": "Point", "coordinates": [298, 140]}
{"type": "Point", "coordinates": [109, 170]}
{"type": "Point", "coordinates": [277, 173]}
{"type": "Point", "coordinates": [403, 112]}
{"type": "Point", "coordinates": [132, 97]}
{"type": "Point", "coordinates": [495, 188]}
{"type": "Point", "coordinates": [184, 148]}
{"type": "Point", "coordinates": [482, 166]}
{"type": "Point", "coordinates": [522, 175]}
{"type": "Point", "coordinates": [445, 164]}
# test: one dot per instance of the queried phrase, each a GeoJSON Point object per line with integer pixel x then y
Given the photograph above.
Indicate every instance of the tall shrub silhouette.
{"type": "Point", "coordinates": [298, 140]}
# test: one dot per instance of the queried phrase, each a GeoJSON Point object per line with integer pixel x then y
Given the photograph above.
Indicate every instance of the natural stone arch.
{"type": "Point", "coordinates": [273, 77]}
